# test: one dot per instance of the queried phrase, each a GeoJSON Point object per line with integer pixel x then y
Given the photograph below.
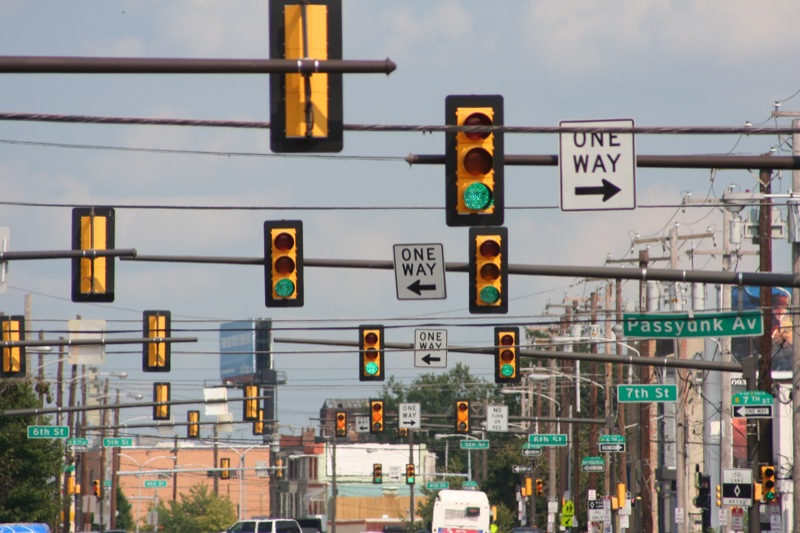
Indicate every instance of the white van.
{"type": "Point", "coordinates": [466, 511]}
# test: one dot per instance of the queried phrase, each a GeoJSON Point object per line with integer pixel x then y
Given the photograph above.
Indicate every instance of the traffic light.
{"type": "Point", "coordinates": [377, 473]}
{"type": "Point", "coordinates": [12, 328]}
{"type": "Point", "coordinates": [225, 465]}
{"type": "Point", "coordinates": [161, 393]}
{"type": "Point", "coordinates": [92, 277]}
{"type": "Point", "coordinates": [250, 403]}
{"type": "Point", "coordinates": [306, 109]}
{"type": "Point", "coordinates": [769, 489]}
{"type": "Point", "coordinates": [96, 488]}
{"type": "Point", "coordinates": [377, 424]}
{"type": "Point", "coordinates": [370, 356]}
{"type": "Point", "coordinates": [474, 161]}
{"type": "Point", "coordinates": [539, 487]}
{"type": "Point", "coordinates": [402, 432]}
{"type": "Point", "coordinates": [410, 477]}
{"type": "Point", "coordinates": [258, 425]}
{"type": "Point", "coordinates": [488, 270]}
{"type": "Point", "coordinates": [719, 495]}
{"type": "Point", "coordinates": [279, 468]}
{"type": "Point", "coordinates": [71, 485]}
{"type": "Point", "coordinates": [703, 498]}
{"type": "Point", "coordinates": [156, 356]}
{"type": "Point", "coordinates": [506, 356]}
{"type": "Point", "coordinates": [283, 268]}
{"type": "Point", "coordinates": [462, 416]}
{"type": "Point", "coordinates": [341, 424]}
{"type": "Point", "coordinates": [622, 494]}
{"type": "Point", "coordinates": [193, 424]}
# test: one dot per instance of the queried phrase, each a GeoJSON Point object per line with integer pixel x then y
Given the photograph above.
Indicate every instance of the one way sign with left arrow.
{"type": "Point", "coordinates": [430, 348]}
{"type": "Point", "coordinates": [419, 271]}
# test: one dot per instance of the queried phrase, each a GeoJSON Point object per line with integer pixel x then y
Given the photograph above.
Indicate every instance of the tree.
{"type": "Point", "coordinates": [30, 466]}
{"type": "Point", "coordinates": [124, 512]}
{"type": "Point", "coordinates": [199, 511]}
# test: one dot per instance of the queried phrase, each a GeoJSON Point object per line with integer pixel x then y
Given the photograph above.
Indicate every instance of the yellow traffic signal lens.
{"type": "Point", "coordinates": [377, 416]}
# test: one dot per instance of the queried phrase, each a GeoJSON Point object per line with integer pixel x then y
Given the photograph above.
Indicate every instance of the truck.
{"type": "Point", "coordinates": [461, 511]}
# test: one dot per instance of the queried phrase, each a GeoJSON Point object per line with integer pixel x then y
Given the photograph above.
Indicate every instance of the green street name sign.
{"type": "Point", "coordinates": [679, 325]}
{"type": "Point", "coordinates": [755, 397]}
{"type": "Point", "coordinates": [48, 432]}
{"type": "Point", "coordinates": [474, 444]}
{"type": "Point", "coordinates": [611, 439]}
{"type": "Point", "coordinates": [117, 441]}
{"type": "Point", "coordinates": [437, 485]}
{"type": "Point", "coordinates": [78, 441]}
{"type": "Point", "coordinates": [155, 483]}
{"type": "Point", "coordinates": [647, 393]}
{"type": "Point", "coordinates": [557, 439]}
{"type": "Point", "coordinates": [470, 485]}
{"type": "Point", "coordinates": [593, 464]}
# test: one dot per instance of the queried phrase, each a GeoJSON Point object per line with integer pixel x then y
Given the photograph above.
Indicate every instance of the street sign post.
{"type": "Point", "coordinates": [409, 415]}
{"type": "Point", "coordinates": [437, 485]}
{"type": "Point", "coordinates": [469, 444]}
{"type": "Point", "coordinates": [522, 469]}
{"type": "Point", "coordinates": [115, 442]}
{"type": "Point", "coordinates": [667, 392]}
{"type": "Point", "coordinates": [48, 432]}
{"type": "Point", "coordinates": [752, 404]}
{"type": "Point", "coordinates": [598, 170]}
{"type": "Point", "coordinates": [531, 450]}
{"type": "Point", "coordinates": [430, 348]}
{"type": "Point", "coordinates": [593, 464]}
{"type": "Point", "coordinates": [556, 439]}
{"type": "Point", "coordinates": [611, 443]}
{"type": "Point", "coordinates": [155, 483]}
{"type": "Point", "coordinates": [419, 271]}
{"type": "Point", "coordinates": [682, 325]}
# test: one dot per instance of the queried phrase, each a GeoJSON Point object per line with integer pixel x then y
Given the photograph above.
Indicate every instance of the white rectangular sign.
{"type": "Point", "coordinates": [497, 418]}
{"type": "Point", "coordinates": [430, 348]}
{"type": "Point", "coordinates": [409, 415]}
{"type": "Point", "coordinates": [598, 169]}
{"type": "Point", "coordinates": [419, 271]}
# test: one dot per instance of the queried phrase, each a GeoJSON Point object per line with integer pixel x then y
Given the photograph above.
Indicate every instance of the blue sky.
{"type": "Point", "coordinates": [658, 62]}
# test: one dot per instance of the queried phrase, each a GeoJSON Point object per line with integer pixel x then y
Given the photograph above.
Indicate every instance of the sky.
{"type": "Point", "coordinates": [657, 62]}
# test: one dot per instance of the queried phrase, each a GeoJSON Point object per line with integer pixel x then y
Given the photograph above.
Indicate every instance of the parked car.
{"type": "Point", "coordinates": [265, 525]}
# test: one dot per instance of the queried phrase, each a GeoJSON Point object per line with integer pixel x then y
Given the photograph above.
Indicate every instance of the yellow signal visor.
{"type": "Point", "coordinates": [306, 96]}
{"type": "Point", "coordinates": [93, 271]}
{"type": "Point", "coordinates": [157, 351]}
{"type": "Point", "coordinates": [12, 357]}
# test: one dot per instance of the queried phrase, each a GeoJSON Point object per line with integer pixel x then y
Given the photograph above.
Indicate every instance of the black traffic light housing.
{"type": "Point", "coordinates": [306, 29]}
{"type": "Point", "coordinates": [161, 394]}
{"type": "Point", "coordinates": [506, 355]}
{"type": "Point", "coordinates": [93, 277]}
{"type": "Point", "coordinates": [474, 161]}
{"type": "Point", "coordinates": [539, 487]}
{"type": "Point", "coordinates": [410, 474]}
{"type": "Point", "coordinates": [769, 487]}
{"type": "Point", "coordinates": [156, 356]}
{"type": "Point", "coordinates": [96, 488]}
{"type": "Point", "coordinates": [370, 355]}
{"type": "Point", "coordinates": [250, 413]}
{"type": "Point", "coordinates": [12, 328]}
{"type": "Point", "coordinates": [225, 465]}
{"type": "Point", "coordinates": [341, 423]}
{"type": "Point", "coordinates": [283, 266]}
{"type": "Point", "coordinates": [488, 270]}
{"type": "Point", "coordinates": [193, 424]}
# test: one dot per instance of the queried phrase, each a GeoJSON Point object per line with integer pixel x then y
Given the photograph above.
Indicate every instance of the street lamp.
{"type": "Point", "coordinates": [241, 455]}
{"type": "Point", "coordinates": [440, 436]}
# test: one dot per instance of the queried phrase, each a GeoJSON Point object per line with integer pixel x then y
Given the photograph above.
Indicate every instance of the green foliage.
{"type": "Point", "coordinates": [124, 512]}
{"type": "Point", "coordinates": [30, 466]}
{"type": "Point", "coordinates": [199, 511]}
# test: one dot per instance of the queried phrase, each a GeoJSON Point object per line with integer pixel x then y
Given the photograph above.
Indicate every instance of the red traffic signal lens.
{"type": "Point", "coordinates": [477, 119]}
{"type": "Point", "coordinates": [284, 241]}
{"type": "Point", "coordinates": [489, 249]}
{"type": "Point", "coordinates": [507, 340]}
{"type": "Point", "coordinates": [478, 161]}
{"type": "Point", "coordinates": [371, 338]}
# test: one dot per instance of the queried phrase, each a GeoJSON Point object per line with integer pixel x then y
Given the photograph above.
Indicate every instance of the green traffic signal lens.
{"type": "Point", "coordinates": [507, 370]}
{"type": "Point", "coordinates": [371, 368]}
{"type": "Point", "coordinates": [489, 295]}
{"type": "Point", "coordinates": [477, 196]}
{"type": "Point", "coordinates": [769, 496]}
{"type": "Point", "coordinates": [284, 288]}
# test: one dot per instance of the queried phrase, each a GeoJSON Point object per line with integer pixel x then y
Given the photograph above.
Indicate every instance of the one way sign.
{"type": "Point", "coordinates": [419, 271]}
{"type": "Point", "coordinates": [430, 348]}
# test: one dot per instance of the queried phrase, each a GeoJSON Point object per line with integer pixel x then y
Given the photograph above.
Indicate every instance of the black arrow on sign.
{"type": "Point", "coordinates": [418, 287]}
{"type": "Point", "coordinates": [608, 190]}
{"type": "Point", "coordinates": [429, 359]}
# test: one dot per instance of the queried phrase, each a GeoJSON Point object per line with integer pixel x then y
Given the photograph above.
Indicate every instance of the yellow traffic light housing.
{"type": "Point", "coordinates": [506, 355]}
{"type": "Point", "coordinates": [250, 403]}
{"type": "Point", "coordinates": [341, 424]}
{"type": "Point", "coordinates": [161, 394]}
{"type": "Point", "coordinates": [97, 488]}
{"type": "Point", "coordinates": [225, 465]}
{"type": "Point", "coordinates": [92, 277]}
{"type": "Point", "coordinates": [370, 356]}
{"type": "Point", "coordinates": [769, 488]}
{"type": "Point", "coordinates": [258, 425]}
{"type": "Point", "coordinates": [12, 329]}
{"type": "Point", "coordinates": [719, 495]}
{"type": "Point", "coordinates": [474, 161]}
{"type": "Point", "coordinates": [306, 108]}
{"type": "Point", "coordinates": [377, 473]}
{"type": "Point", "coordinates": [376, 424]}
{"type": "Point", "coordinates": [462, 416]}
{"type": "Point", "coordinates": [156, 356]}
{"type": "Point", "coordinates": [410, 474]}
{"type": "Point", "coordinates": [539, 487]}
{"type": "Point", "coordinates": [488, 270]}
{"type": "Point", "coordinates": [279, 468]}
{"type": "Point", "coordinates": [283, 267]}
{"type": "Point", "coordinates": [402, 432]}
{"type": "Point", "coordinates": [193, 424]}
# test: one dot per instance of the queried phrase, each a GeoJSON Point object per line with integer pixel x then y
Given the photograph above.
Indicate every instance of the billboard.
{"type": "Point", "coordinates": [244, 350]}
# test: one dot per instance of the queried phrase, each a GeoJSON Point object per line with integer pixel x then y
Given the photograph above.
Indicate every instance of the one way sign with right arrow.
{"type": "Point", "coordinates": [598, 168]}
